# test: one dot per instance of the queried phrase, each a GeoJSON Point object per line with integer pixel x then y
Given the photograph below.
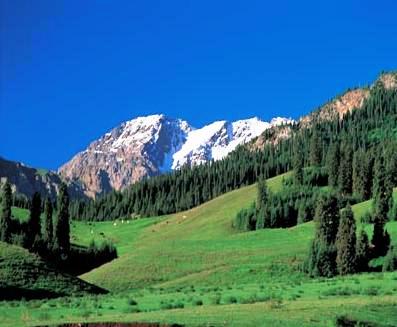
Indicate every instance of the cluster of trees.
{"type": "Point", "coordinates": [50, 232]}
{"type": "Point", "coordinates": [294, 204]}
{"type": "Point", "coordinates": [47, 233]}
{"type": "Point", "coordinates": [336, 249]}
{"type": "Point", "coordinates": [345, 141]}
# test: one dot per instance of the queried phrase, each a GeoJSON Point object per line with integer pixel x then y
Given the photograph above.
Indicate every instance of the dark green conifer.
{"type": "Point", "coordinates": [333, 162]}
{"type": "Point", "coordinates": [34, 227]}
{"type": "Point", "coordinates": [61, 226]}
{"type": "Point", "coordinates": [322, 255]}
{"type": "Point", "coordinates": [345, 177]}
{"type": "Point", "coordinates": [382, 193]}
{"type": "Point", "coordinates": [362, 251]}
{"type": "Point", "coordinates": [315, 149]}
{"type": "Point", "coordinates": [5, 216]}
{"type": "Point", "coordinates": [48, 223]}
{"type": "Point", "coordinates": [298, 165]}
{"type": "Point", "coordinates": [346, 243]}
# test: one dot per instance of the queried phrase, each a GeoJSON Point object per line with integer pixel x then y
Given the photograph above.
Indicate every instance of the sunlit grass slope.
{"type": "Point", "coordinates": [193, 268]}
{"type": "Point", "coordinates": [198, 243]}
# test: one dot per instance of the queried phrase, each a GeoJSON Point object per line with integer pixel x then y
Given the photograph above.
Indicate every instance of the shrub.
{"type": "Point", "coordinates": [179, 305]}
{"type": "Point", "coordinates": [166, 306]}
{"type": "Point", "coordinates": [372, 291]}
{"type": "Point", "coordinates": [231, 300]}
{"type": "Point", "coordinates": [132, 302]}
{"type": "Point", "coordinates": [198, 302]}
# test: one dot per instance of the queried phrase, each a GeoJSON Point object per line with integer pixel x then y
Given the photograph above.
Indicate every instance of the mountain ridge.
{"type": "Point", "coordinates": [155, 144]}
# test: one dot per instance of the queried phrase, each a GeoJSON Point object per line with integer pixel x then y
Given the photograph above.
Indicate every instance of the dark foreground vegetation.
{"type": "Point", "coordinates": [48, 234]}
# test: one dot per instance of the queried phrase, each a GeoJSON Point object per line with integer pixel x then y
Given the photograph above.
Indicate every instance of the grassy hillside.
{"type": "Point", "coordinates": [24, 275]}
{"type": "Point", "coordinates": [193, 268]}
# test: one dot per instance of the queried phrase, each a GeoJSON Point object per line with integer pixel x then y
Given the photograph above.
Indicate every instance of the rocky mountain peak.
{"type": "Point", "coordinates": [151, 145]}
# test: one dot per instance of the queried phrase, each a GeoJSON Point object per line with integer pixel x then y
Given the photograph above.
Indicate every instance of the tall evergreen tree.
{"type": "Point", "coordinates": [362, 251]}
{"type": "Point", "coordinates": [380, 239]}
{"type": "Point", "coordinates": [346, 243]}
{"type": "Point", "coordinates": [33, 225]}
{"type": "Point", "coordinates": [315, 149]}
{"type": "Point", "coordinates": [298, 165]}
{"type": "Point", "coordinates": [391, 166]}
{"type": "Point", "coordinates": [263, 193]}
{"type": "Point", "coordinates": [5, 217]}
{"type": "Point", "coordinates": [333, 162]}
{"type": "Point", "coordinates": [48, 224]}
{"type": "Point", "coordinates": [383, 193]}
{"type": "Point", "coordinates": [262, 205]}
{"type": "Point", "coordinates": [359, 174]}
{"type": "Point", "coordinates": [345, 177]}
{"type": "Point", "coordinates": [61, 226]}
{"type": "Point", "coordinates": [322, 255]}
{"type": "Point", "coordinates": [382, 202]}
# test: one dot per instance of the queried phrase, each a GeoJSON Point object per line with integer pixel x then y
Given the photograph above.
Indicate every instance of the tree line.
{"type": "Point", "coordinates": [326, 141]}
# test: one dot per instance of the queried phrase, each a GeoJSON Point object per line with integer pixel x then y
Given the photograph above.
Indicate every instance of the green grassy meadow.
{"type": "Point", "coordinates": [193, 268]}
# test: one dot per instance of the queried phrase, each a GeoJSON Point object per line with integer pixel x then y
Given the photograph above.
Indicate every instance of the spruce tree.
{"type": "Point", "coordinates": [48, 225]}
{"type": "Point", "coordinates": [333, 162]}
{"type": "Point", "coordinates": [380, 239]}
{"type": "Point", "coordinates": [346, 243]}
{"type": "Point", "coordinates": [33, 225]}
{"type": "Point", "coordinates": [383, 193]}
{"type": "Point", "coordinates": [298, 166]}
{"type": "Point", "coordinates": [391, 164]}
{"type": "Point", "coordinates": [263, 194]}
{"type": "Point", "coordinates": [359, 174]}
{"type": "Point", "coordinates": [5, 217]}
{"type": "Point", "coordinates": [315, 149]}
{"type": "Point", "coordinates": [382, 201]}
{"type": "Point", "coordinates": [322, 255]}
{"type": "Point", "coordinates": [61, 226]}
{"type": "Point", "coordinates": [346, 168]}
{"type": "Point", "coordinates": [362, 252]}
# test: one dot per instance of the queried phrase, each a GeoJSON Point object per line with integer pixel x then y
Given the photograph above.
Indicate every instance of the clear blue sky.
{"type": "Point", "coordinates": [72, 70]}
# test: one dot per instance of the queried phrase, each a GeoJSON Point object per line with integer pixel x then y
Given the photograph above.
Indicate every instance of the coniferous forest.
{"type": "Point", "coordinates": [346, 149]}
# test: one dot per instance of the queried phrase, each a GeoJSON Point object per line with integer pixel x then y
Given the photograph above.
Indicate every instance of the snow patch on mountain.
{"type": "Point", "coordinates": [155, 144]}
{"type": "Point", "coordinates": [215, 141]}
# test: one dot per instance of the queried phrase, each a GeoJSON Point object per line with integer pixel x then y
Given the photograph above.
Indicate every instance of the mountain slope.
{"type": "Point", "coordinates": [337, 108]}
{"type": "Point", "coordinates": [27, 180]}
{"type": "Point", "coordinates": [25, 275]}
{"type": "Point", "coordinates": [151, 145]}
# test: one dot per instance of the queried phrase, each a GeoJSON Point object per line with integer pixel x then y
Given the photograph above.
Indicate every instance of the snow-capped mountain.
{"type": "Point", "coordinates": [151, 145]}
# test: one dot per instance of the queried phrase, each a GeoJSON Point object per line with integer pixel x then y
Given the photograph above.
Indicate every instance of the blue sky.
{"type": "Point", "coordinates": [72, 70]}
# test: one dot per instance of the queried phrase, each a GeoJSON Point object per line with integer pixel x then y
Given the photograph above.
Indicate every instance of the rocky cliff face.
{"type": "Point", "coordinates": [27, 180]}
{"type": "Point", "coordinates": [148, 146]}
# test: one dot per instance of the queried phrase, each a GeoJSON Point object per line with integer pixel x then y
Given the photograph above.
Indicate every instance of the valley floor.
{"type": "Point", "coordinates": [192, 268]}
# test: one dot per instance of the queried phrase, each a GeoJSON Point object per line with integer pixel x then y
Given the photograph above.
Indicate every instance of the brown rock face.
{"type": "Point", "coordinates": [27, 180]}
{"type": "Point", "coordinates": [128, 153]}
